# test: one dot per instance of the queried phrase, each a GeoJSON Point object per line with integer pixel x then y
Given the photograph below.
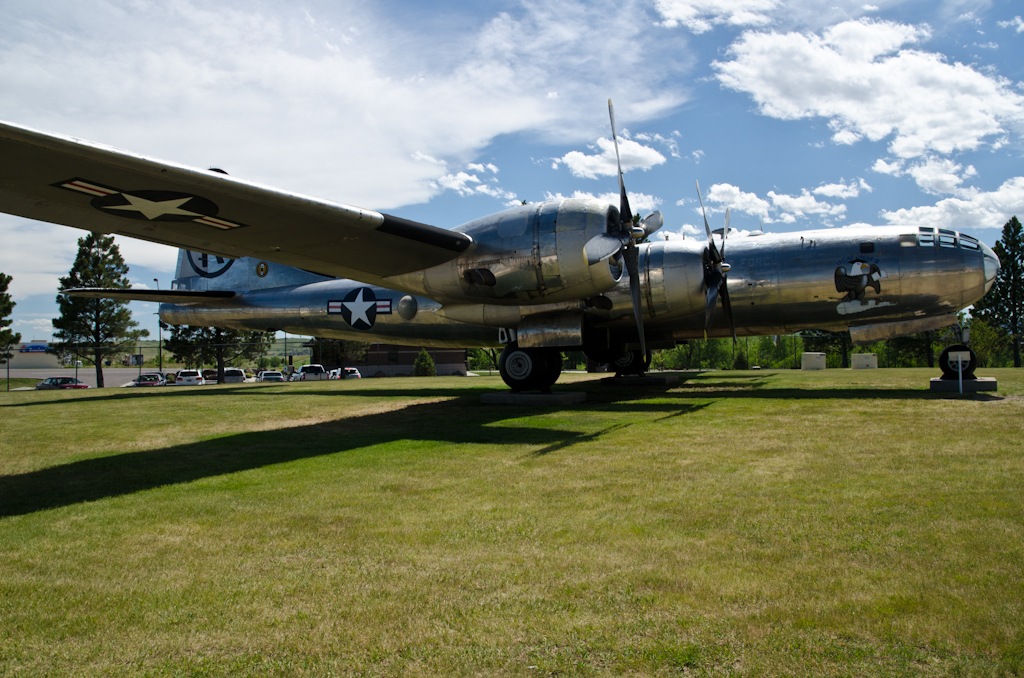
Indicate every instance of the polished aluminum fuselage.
{"type": "Point", "coordinates": [830, 279]}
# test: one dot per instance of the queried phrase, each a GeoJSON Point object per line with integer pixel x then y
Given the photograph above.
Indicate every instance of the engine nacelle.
{"type": "Point", "coordinates": [531, 254]}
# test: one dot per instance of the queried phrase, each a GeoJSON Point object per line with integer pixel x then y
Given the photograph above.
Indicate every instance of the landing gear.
{"type": "Point", "coordinates": [631, 362]}
{"type": "Point", "coordinates": [529, 369]}
{"type": "Point", "coordinates": [950, 368]}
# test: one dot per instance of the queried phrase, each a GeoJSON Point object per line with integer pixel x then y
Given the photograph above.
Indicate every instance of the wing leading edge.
{"type": "Point", "coordinates": [76, 183]}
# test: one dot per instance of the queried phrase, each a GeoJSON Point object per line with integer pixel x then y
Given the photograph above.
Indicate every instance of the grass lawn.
{"type": "Point", "coordinates": [832, 523]}
{"type": "Point", "coordinates": [17, 382]}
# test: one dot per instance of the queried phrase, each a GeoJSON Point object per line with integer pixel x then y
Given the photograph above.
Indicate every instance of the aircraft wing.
{"type": "Point", "coordinates": [98, 188]}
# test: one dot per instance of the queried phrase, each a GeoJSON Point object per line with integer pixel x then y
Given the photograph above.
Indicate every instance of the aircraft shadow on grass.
{"type": "Point", "coordinates": [691, 385]}
{"type": "Point", "coordinates": [459, 421]}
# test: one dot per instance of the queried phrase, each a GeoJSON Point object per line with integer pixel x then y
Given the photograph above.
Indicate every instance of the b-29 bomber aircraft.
{"type": "Point", "coordinates": [538, 279]}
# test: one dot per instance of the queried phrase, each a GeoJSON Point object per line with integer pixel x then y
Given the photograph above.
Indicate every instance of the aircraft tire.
{"type": "Point", "coordinates": [523, 369]}
{"type": "Point", "coordinates": [554, 367]}
{"type": "Point", "coordinates": [949, 372]}
{"type": "Point", "coordinates": [631, 363]}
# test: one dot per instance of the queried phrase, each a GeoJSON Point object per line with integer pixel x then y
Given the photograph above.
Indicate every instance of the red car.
{"type": "Point", "coordinates": [54, 383]}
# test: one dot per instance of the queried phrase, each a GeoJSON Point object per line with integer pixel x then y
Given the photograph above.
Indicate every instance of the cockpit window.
{"type": "Point", "coordinates": [867, 247]}
{"type": "Point", "coordinates": [968, 243]}
{"type": "Point", "coordinates": [947, 240]}
{"type": "Point", "coordinates": [926, 237]}
{"type": "Point", "coordinates": [908, 240]}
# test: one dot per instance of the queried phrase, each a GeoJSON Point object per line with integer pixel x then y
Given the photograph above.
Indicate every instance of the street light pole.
{"type": "Point", "coordinates": [160, 334]}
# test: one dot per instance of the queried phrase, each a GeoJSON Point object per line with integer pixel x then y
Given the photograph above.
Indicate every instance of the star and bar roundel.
{"type": "Point", "coordinates": [360, 308]}
{"type": "Point", "coordinates": [150, 205]}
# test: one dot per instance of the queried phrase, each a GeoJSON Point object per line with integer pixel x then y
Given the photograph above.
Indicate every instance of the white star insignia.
{"type": "Point", "coordinates": [151, 210]}
{"type": "Point", "coordinates": [358, 308]}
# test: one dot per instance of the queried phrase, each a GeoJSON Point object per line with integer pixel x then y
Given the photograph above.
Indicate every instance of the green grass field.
{"type": "Point", "coordinates": [833, 523]}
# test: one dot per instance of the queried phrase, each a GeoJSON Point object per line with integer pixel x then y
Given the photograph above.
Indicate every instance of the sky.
{"type": "Point", "coordinates": [795, 115]}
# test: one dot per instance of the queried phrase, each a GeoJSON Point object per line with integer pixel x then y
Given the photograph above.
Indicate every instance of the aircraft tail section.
{"type": "Point", "coordinates": [200, 272]}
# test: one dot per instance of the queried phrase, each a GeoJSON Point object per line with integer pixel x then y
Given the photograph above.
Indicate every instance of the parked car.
{"type": "Point", "coordinates": [312, 373]}
{"type": "Point", "coordinates": [270, 375]}
{"type": "Point", "coordinates": [57, 383]}
{"type": "Point", "coordinates": [346, 373]}
{"type": "Point", "coordinates": [233, 375]}
{"type": "Point", "coordinates": [189, 378]}
{"type": "Point", "coordinates": [154, 379]}
{"type": "Point", "coordinates": [210, 376]}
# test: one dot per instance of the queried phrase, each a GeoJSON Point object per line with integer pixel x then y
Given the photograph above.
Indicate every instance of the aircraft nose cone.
{"type": "Point", "coordinates": [991, 266]}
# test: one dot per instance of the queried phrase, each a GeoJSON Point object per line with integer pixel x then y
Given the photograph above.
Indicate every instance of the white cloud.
{"type": "Point", "coordinates": [971, 210]}
{"type": "Point", "coordinates": [869, 8]}
{"type": "Point", "coordinates": [857, 76]}
{"type": "Point", "coordinates": [803, 205]}
{"type": "Point", "coordinates": [632, 154]}
{"type": "Point", "coordinates": [727, 195]}
{"type": "Point", "coordinates": [697, 155]}
{"type": "Point", "coordinates": [701, 15]}
{"type": "Point", "coordinates": [30, 328]}
{"type": "Point", "coordinates": [1016, 23]}
{"type": "Point", "coordinates": [841, 190]}
{"type": "Point", "coordinates": [466, 184]}
{"type": "Point", "coordinates": [36, 255]}
{"type": "Point", "coordinates": [936, 175]}
{"type": "Point", "coordinates": [639, 203]}
{"type": "Point", "coordinates": [932, 174]}
{"type": "Point", "coordinates": [894, 168]}
{"type": "Point", "coordinates": [668, 142]}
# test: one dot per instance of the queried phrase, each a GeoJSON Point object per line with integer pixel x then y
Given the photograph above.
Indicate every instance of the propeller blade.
{"type": "Point", "coordinates": [725, 231]}
{"type": "Point", "coordinates": [631, 257]}
{"type": "Point", "coordinates": [652, 222]}
{"type": "Point", "coordinates": [709, 308]}
{"type": "Point", "coordinates": [727, 307]}
{"type": "Point", "coordinates": [600, 247]}
{"type": "Point", "coordinates": [625, 215]}
{"type": "Point", "coordinates": [707, 228]}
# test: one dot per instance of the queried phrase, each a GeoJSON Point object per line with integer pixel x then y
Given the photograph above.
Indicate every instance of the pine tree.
{"type": "Point", "coordinates": [1003, 306]}
{"type": "Point", "coordinates": [424, 365]}
{"type": "Point", "coordinates": [7, 337]}
{"type": "Point", "coordinates": [95, 328]}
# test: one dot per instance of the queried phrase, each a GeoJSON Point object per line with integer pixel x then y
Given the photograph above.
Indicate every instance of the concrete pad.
{"type": "Point", "coordinates": [509, 398]}
{"type": "Point", "coordinates": [970, 385]}
{"type": "Point", "coordinates": [646, 380]}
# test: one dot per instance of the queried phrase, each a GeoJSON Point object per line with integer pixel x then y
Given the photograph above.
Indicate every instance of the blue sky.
{"type": "Point", "coordinates": [798, 114]}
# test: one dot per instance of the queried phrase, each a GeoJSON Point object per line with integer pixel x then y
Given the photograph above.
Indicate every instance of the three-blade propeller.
{"type": "Point", "coordinates": [716, 273]}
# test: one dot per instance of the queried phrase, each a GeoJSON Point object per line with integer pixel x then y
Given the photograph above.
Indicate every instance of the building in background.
{"type": "Point", "coordinates": [389, 360]}
{"type": "Point", "coordinates": [33, 355]}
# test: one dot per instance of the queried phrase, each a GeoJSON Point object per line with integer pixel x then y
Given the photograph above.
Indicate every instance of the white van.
{"type": "Point", "coordinates": [233, 375]}
{"type": "Point", "coordinates": [312, 373]}
{"type": "Point", "coordinates": [189, 378]}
